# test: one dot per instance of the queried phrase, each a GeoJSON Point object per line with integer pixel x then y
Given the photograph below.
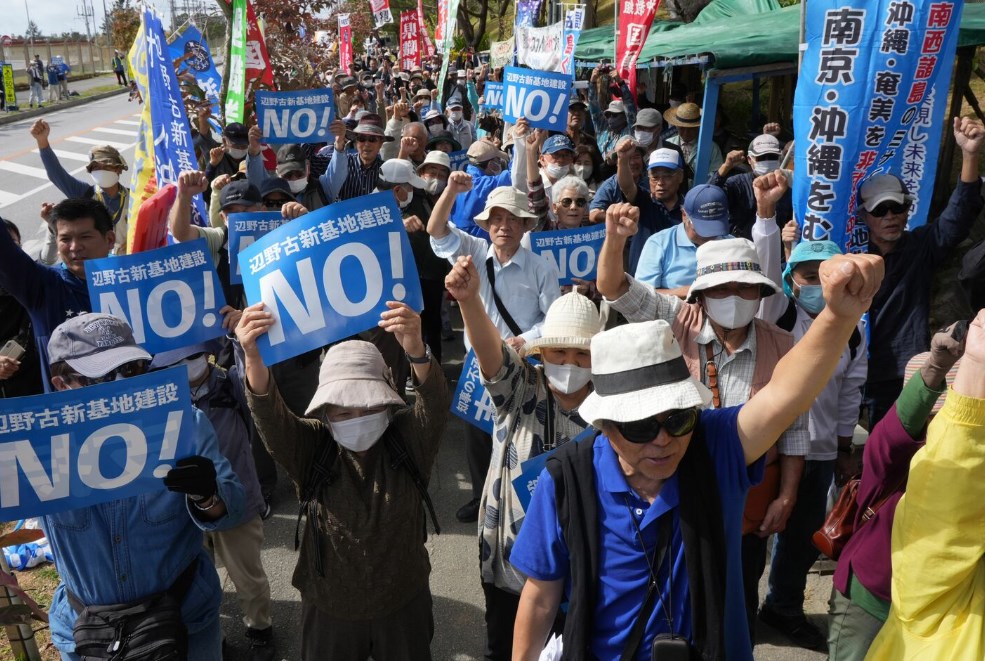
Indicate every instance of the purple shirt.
{"type": "Point", "coordinates": [886, 462]}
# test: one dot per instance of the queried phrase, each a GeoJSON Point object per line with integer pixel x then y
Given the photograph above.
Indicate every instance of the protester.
{"type": "Point", "coordinates": [461, 130]}
{"type": "Point", "coordinates": [20, 372]}
{"type": "Point", "coordinates": [763, 158]}
{"type": "Point", "coordinates": [644, 483]}
{"type": "Point", "coordinates": [617, 120]}
{"type": "Point", "coordinates": [294, 168]}
{"type": "Point", "coordinates": [52, 72]}
{"type": "Point", "coordinates": [362, 461]}
{"type": "Point", "coordinates": [105, 167]}
{"type": "Point", "coordinates": [351, 174]}
{"type": "Point", "coordinates": [435, 171]}
{"type": "Point", "coordinates": [35, 76]}
{"type": "Point", "coordinates": [687, 118]}
{"type": "Point", "coordinates": [127, 552]}
{"type": "Point", "coordinates": [608, 191]}
{"type": "Point", "coordinates": [577, 122]}
{"type": "Point", "coordinates": [238, 144]}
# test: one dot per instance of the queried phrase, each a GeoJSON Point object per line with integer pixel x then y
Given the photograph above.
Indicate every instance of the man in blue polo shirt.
{"type": "Point", "coordinates": [661, 489]}
{"type": "Point", "coordinates": [670, 257]}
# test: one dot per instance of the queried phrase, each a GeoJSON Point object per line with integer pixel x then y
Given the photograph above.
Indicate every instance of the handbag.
{"type": "Point", "coordinates": [839, 525]}
{"type": "Point", "coordinates": [150, 629]}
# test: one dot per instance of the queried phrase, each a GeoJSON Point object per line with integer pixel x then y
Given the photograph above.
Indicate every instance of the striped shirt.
{"type": "Point", "coordinates": [346, 177]}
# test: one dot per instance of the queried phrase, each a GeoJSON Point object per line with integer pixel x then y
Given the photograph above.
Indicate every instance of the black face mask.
{"type": "Point", "coordinates": [616, 122]}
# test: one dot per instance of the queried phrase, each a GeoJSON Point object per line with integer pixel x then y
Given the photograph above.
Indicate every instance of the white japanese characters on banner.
{"type": "Point", "coordinates": [635, 18]}
{"type": "Point", "coordinates": [410, 41]}
{"type": "Point", "coordinates": [381, 12]}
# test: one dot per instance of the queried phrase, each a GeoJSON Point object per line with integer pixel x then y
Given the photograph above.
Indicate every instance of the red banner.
{"type": "Point", "coordinates": [428, 44]}
{"type": "Point", "coordinates": [345, 44]}
{"type": "Point", "coordinates": [410, 40]}
{"type": "Point", "coordinates": [635, 19]}
{"type": "Point", "coordinates": [381, 12]}
{"type": "Point", "coordinates": [439, 28]}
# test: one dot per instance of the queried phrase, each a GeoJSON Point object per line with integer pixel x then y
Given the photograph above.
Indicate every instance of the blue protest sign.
{"type": "Point", "coordinates": [192, 51]}
{"type": "Point", "coordinates": [170, 296]}
{"type": "Point", "coordinates": [573, 252]}
{"type": "Point", "coordinates": [244, 230]}
{"type": "Point", "coordinates": [471, 401]}
{"type": "Point", "coordinates": [459, 160]}
{"type": "Point", "coordinates": [492, 96]}
{"type": "Point", "coordinates": [539, 96]}
{"type": "Point", "coordinates": [328, 274]}
{"type": "Point", "coordinates": [74, 448]}
{"type": "Point", "coordinates": [295, 116]}
{"type": "Point", "coordinates": [870, 100]}
{"type": "Point", "coordinates": [531, 469]}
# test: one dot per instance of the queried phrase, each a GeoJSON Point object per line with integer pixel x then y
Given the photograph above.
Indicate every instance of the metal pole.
{"type": "Point", "coordinates": [31, 35]}
{"type": "Point", "coordinates": [801, 46]}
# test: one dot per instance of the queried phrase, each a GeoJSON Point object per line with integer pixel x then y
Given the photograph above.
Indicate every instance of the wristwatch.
{"type": "Point", "coordinates": [423, 360]}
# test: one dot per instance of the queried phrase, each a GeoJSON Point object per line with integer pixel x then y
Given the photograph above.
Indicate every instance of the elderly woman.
{"type": "Point", "coordinates": [536, 412]}
{"type": "Point", "coordinates": [361, 461]}
{"type": "Point", "coordinates": [567, 205]}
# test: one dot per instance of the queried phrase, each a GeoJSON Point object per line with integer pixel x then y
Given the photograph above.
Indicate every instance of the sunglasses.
{"type": "Point", "coordinates": [368, 138]}
{"type": "Point", "coordinates": [678, 423]}
{"type": "Point", "coordinates": [125, 371]}
{"type": "Point", "coordinates": [275, 204]}
{"type": "Point", "coordinates": [578, 202]}
{"type": "Point", "coordinates": [889, 207]}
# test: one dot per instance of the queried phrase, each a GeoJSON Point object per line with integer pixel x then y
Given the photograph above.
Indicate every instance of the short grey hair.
{"type": "Point", "coordinates": [569, 181]}
{"type": "Point", "coordinates": [419, 125]}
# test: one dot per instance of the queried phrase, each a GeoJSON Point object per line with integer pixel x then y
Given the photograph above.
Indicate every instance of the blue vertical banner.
{"type": "Point", "coordinates": [174, 152]}
{"type": "Point", "coordinates": [574, 20]}
{"type": "Point", "coordinates": [870, 100]}
{"type": "Point", "coordinates": [328, 275]}
{"type": "Point", "coordinates": [574, 252]}
{"type": "Point", "coordinates": [244, 230]}
{"type": "Point", "coordinates": [471, 401]}
{"type": "Point", "coordinates": [71, 449]}
{"type": "Point", "coordinates": [539, 96]}
{"type": "Point", "coordinates": [192, 51]}
{"type": "Point", "coordinates": [171, 296]}
{"type": "Point", "coordinates": [295, 116]}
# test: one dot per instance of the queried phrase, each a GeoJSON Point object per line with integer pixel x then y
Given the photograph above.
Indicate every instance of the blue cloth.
{"type": "Point", "coordinates": [654, 216]}
{"type": "Point", "coordinates": [609, 193]}
{"type": "Point", "coordinates": [128, 549]}
{"type": "Point", "coordinates": [540, 551]}
{"type": "Point", "coordinates": [49, 294]}
{"type": "Point", "coordinates": [469, 205]}
{"type": "Point", "coordinates": [668, 260]}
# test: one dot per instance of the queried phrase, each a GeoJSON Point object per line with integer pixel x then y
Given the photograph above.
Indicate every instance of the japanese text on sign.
{"type": "Point", "coordinates": [295, 117]}
{"type": "Point", "coordinates": [539, 96]}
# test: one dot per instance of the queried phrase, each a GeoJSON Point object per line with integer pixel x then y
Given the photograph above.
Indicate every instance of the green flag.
{"type": "Point", "coordinates": [235, 94]}
{"type": "Point", "coordinates": [448, 40]}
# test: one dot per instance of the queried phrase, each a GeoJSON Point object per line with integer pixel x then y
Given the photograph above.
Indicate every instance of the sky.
{"type": "Point", "coordinates": [57, 16]}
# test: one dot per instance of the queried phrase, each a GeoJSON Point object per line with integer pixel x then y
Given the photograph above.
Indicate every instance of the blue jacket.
{"type": "Point", "coordinates": [470, 204]}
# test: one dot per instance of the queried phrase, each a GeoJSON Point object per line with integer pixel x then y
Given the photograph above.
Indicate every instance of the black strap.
{"type": "Point", "coordinates": [400, 457]}
{"type": "Point", "coordinates": [318, 476]}
{"type": "Point", "coordinates": [503, 312]}
{"type": "Point", "coordinates": [639, 627]}
{"type": "Point", "coordinates": [177, 590]}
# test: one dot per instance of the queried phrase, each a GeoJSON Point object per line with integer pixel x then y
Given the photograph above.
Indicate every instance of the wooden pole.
{"type": "Point", "coordinates": [21, 636]}
{"type": "Point", "coordinates": [945, 163]}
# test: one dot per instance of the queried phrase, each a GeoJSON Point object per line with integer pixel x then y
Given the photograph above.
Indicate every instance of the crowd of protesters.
{"type": "Point", "coordinates": [702, 396]}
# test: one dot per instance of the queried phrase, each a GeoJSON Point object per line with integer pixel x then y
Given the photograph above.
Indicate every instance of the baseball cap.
{"type": "Point", "coordinates": [94, 344]}
{"type": "Point", "coordinates": [615, 108]}
{"type": "Point", "coordinates": [665, 158]}
{"type": "Point", "coordinates": [236, 132]}
{"type": "Point", "coordinates": [290, 158]}
{"type": "Point", "coordinates": [557, 143]}
{"type": "Point", "coordinates": [648, 118]}
{"type": "Point", "coordinates": [576, 102]}
{"type": "Point", "coordinates": [399, 171]}
{"type": "Point", "coordinates": [275, 185]}
{"type": "Point", "coordinates": [239, 192]}
{"type": "Point", "coordinates": [882, 188]}
{"type": "Point", "coordinates": [707, 207]}
{"type": "Point", "coordinates": [764, 144]}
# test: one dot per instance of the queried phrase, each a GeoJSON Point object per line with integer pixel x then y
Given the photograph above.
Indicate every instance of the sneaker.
{"type": "Point", "coordinates": [795, 627]}
{"type": "Point", "coordinates": [469, 512]}
{"type": "Point", "coordinates": [261, 644]}
{"type": "Point", "coordinates": [267, 512]}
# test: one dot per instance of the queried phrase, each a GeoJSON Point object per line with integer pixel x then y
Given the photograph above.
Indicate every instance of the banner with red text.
{"type": "Point", "coordinates": [381, 12]}
{"type": "Point", "coordinates": [635, 19]}
{"type": "Point", "coordinates": [257, 60]}
{"type": "Point", "coordinates": [428, 45]}
{"type": "Point", "coordinates": [410, 40]}
{"type": "Point", "coordinates": [345, 43]}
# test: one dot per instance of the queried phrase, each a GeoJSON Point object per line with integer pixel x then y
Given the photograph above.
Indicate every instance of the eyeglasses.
{"type": "Point", "coordinates": [884, 208]}
{"type": "Point", "coordinates": [125, 371]}
{"type": "Point", "coordinates": [275, 204]}
{"type": "Point", "coordinates": [678, 423]}
{"type": "Point", "coordinates": [368, 138]}
{"type": "Point", "coordinates": [578, 202]}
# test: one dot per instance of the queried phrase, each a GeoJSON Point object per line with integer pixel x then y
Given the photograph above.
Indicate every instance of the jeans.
{"type": "Point", "coordinates": [204, 645]}
{"type": "Point", "coordinates": [851, 630]}
{"type": "Point", "coordinates": [793, 552]}
{"type": "Point", "coordinates": [37, 94]}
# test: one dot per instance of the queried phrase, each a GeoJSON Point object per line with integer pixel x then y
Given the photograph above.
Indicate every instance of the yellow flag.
{"type": "Point", "coordinates": [142, 183]}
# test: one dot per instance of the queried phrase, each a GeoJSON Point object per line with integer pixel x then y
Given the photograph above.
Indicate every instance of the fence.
{"type": "Point", "coordinates": [83, 57]}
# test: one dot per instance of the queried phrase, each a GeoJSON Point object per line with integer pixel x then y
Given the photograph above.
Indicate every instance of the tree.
{"type": "Point", "coordinates": [33, 31]}
{"type": "Point", "coordinates": [122, 24]}
{"type": "Point", "coordinates": [686, 10]}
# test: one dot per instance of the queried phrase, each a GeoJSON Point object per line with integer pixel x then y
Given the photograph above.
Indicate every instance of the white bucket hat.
{"type": "Point", "coordinates": [400, 171]}
{"type": "Point", "coordinates": [729, 260]}
{"type": "Point", "coordinates": [570, 323]}
{"type": "Point", "coordinates": [638, 372]}
{"type": "Point", "coordinates": [509, 198]}
{"type": "Point", "coordinates": [435, 157]}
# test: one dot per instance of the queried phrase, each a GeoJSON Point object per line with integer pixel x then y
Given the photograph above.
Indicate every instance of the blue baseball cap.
{"type": "Point", "coordinates": [707, 207]}
{"type": "Point", "coordinates": [557, 143]}
{"type": "Point", "coordinates": [665, 158]}
{"type": "Point", "coordinates": [807, 251]}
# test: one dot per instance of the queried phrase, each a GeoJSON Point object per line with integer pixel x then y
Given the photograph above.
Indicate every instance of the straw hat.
{"type": "Point", "coordinates": [687, 115]}
{"type": "Point", "coordinates": [570, 323]}
{"type": "Point", "coordinates": [729, 260]}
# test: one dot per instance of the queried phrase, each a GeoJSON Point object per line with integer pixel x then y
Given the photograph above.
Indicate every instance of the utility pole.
{"type": "Point", "coordinates": [85, 13]}
{"type": "Point", "coordinates": [106, 22]}
{"type": "Point", "coordinates": [30, 36]}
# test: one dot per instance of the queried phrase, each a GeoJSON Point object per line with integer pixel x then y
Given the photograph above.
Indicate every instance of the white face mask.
{"type": "Point", "coordinates": [435, 129]}
{"type": "Point", "coordinates": [407, 200]}
{"type": "Point", "coordinates": [567, 378]}
{"type": "Point", "coordinates": [436, 186]}
{"type": "Point", "coordinates": [104, 178]}
{"type": "Point", "coordinates": [237, 154]}
{"type": "Point", "coordinates": [197, 367]}
{"type": "Point", "coordinates": [455, 115]}
{"type": "Point", "coordinates": [731, 311]}
{"type": "Point", "coordinates": [583, 171]}
{"type": "Point", "coordinates": [765, 167]}
{"type": "Point", "coordinates": [555, 171]}
{"type": "Point", "coordinates": [362, 433]}
{"type": "Point", "coordinates": [643, 137]}
{"type": "Point", "coordinates": [297, 185]}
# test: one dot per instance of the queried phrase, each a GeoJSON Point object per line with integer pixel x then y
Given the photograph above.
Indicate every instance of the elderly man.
{"type": "Point", "coordinates": [460, 128]}
{"type": "Point", "coordinates": [577, 121]}
{"type": "Point", "coordinates": [518, 286]}
{"type": "Point", "coordinates": [127, 552]}
{"type": "Point", "coordinates": [687, 118]}
{"type": "Point", "coordinates": [640, 526]}
{"type": "Point", "coordinates": [361, 460]}
{"type": "Point", "coordinates": [351, 174]}
{"type": "Point", "coordinates": [669, 258]}
{"type": "Point", "coordinates": [898, 319]}
{"type": "Point", "coordinates": [763, 157]}
{"type": "Point", "coordinates": [293, 167]}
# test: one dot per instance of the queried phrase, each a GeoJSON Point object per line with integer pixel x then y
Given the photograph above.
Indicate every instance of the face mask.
{"type": "Point", "coordinates": [732, 311]}
{"type": "Point", "coordinates": [765, 167]}
{"type": "Point", "coordinates": [360, 434]}
{"type": "Point", "coordinates": [455, 116]}
{"type": "Point", "coordinates": [297, 185]}
{"type": "Point", "coordinates": [436, 186]}
{"type": "Point", "coordinates": [811, 298]}
{"type": "Point", "coordinates": [435, 129]}
{"type": "Point", "coordinates": [197, 367]}
{"type": "Point", "coordinates": [104, 178]}
{"type": "Point", "coordinates": [643, 137]}
{"type": "Point", "coordinates": [494, 167]}
{"type": "Point", "coordinates": [616, 122]}
{"type": "Point", "coordinates": [555, 171]}
{"type": "Point", "coordinates": [567, 378]}
{"type": "Point", "coordinates": [583, 171]}
{"type": "Point", "coordinates": [237, 154]}
{"type": "Point", "coordinates": [407, 201]}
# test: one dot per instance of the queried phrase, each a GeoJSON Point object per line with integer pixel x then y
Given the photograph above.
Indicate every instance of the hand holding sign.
{"type": "Point", "coordinates": [8, 367]}
{"type": "Point", "coordinates": [621, 220]}
{"type": "Point", "coordinates": [405, 324]}
{"type": "Point", "coordinates": [337, 128]}
{"type": "Point", "coordinates": [255, 136]}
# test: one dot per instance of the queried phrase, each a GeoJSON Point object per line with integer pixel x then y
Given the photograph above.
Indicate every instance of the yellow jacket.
{"type": "Point", "coordinates": [938, 595]}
